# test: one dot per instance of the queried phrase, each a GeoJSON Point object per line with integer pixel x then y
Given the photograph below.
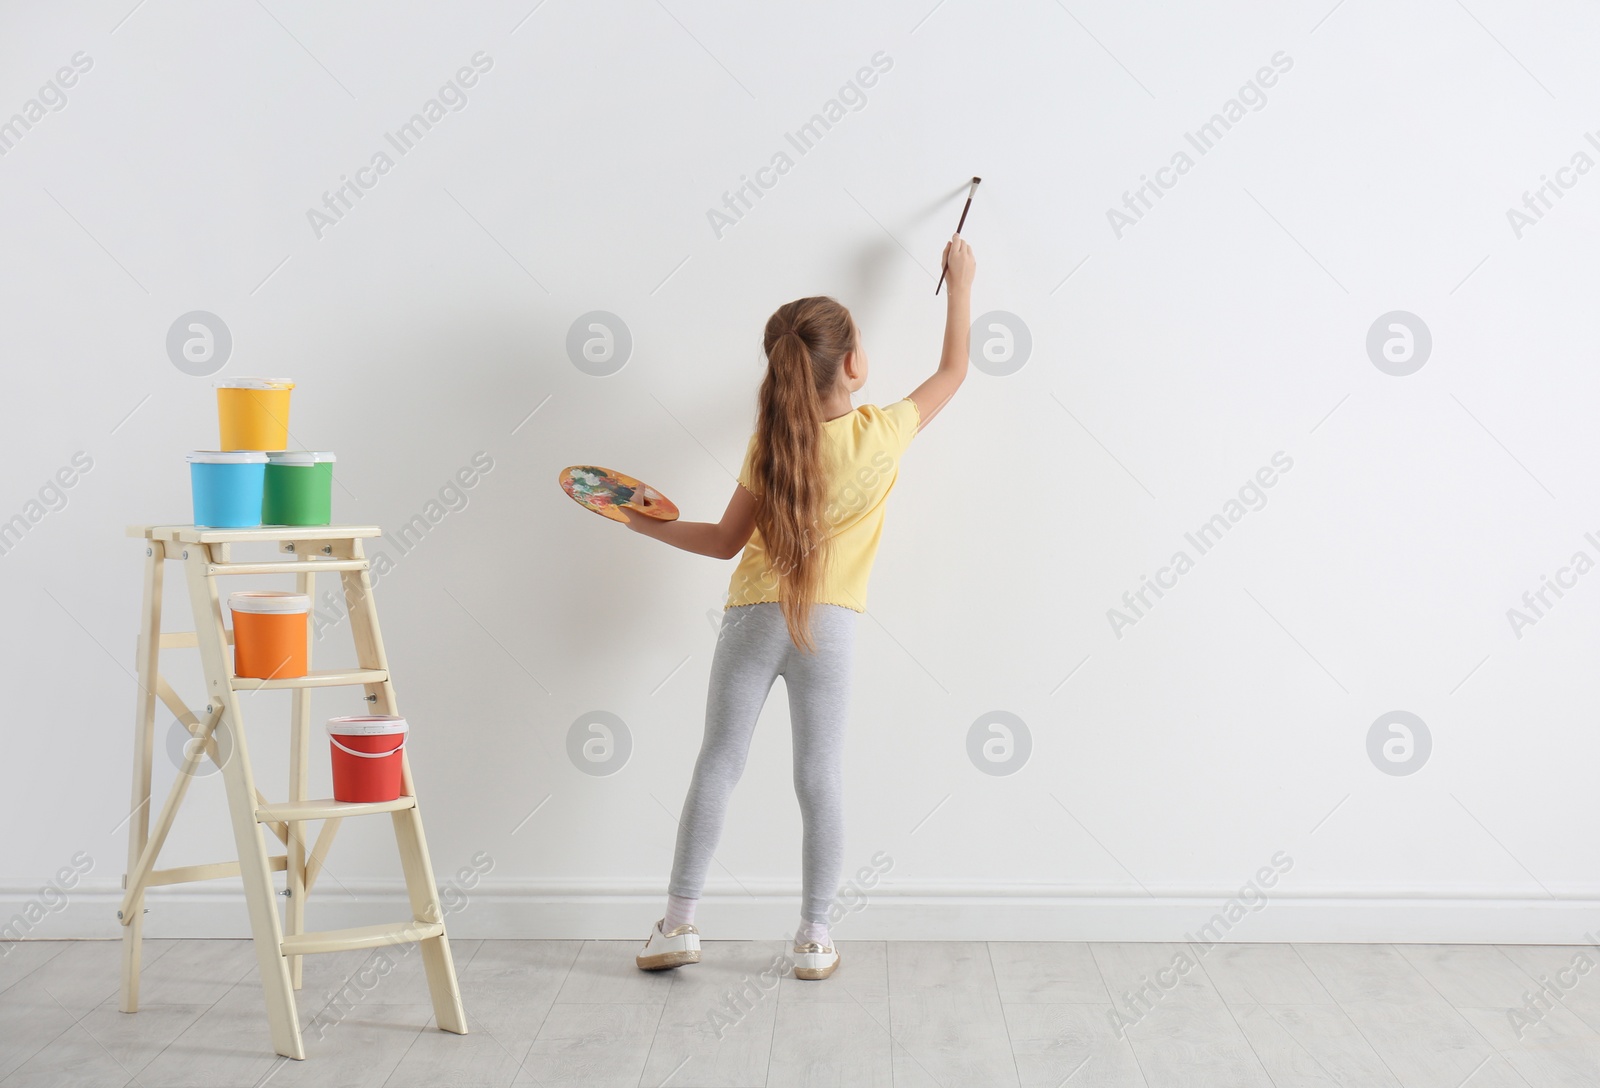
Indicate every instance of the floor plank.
{"type": "Point", "coordinates": [945, 1015]}
{"type": "Point", "coordinates": [188, 972]}
{"type": "Point", "coordinates": [715, 1029]}
{"type": "Point", "coordinates": [89, 973]}
{"type": "Point", "coordinates": [1558, 1051]}
{"type": "Point", "coordinates": [1046, 972]}
{"type": "Point", "coordinates": [361, 1051]}
{"type": "Point", "coordinates": [20, 958]}
{"type": "Point", "coordinates": [474, 1060]}
{"type": "Point", "coordinates": [74, 1059]}
{"type": "Point", "coordinates": [1470, 975]}
{"type": "Point", "coordinates": [591, 1046]}
{"type": "Point", "coordinates": [1312, 1045]}
{"type": "Point", "coordinates": [906, 1014]}
{"type": "Point", "coordinates": [228, 1044]}
{"type": "Point", "coordinates": [604, 974]}
{"type": "Point", "coordinates": [1571, 972]}
{"type": "Point", "coordinates": [1073, 1044]}
{"type": "Point", "coordinates": [30, 1019]}
{"type": "Point", "coordinates": [508, 987]}
{"type": "Point", "coordinates": [134, 1039]}
{"type": "Point", "coordinates": [1195, 1043]}
{"type": "Point", "coordinates": [841, 1043]}
{"type": "Point", "coordinates": [1366, 973]}
{"type": "Point", "coordinates": [1263, 974]}
{"type": "Point", "coordinates": [1138, 977]}
{"type": "Point", "coordinates": [1428, 1044]}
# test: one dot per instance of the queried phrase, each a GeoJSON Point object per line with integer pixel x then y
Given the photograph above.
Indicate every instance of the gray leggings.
{"type": "Point", "coordinates": [753, 650]}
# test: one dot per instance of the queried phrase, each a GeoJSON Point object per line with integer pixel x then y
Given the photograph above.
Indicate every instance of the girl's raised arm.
{"type": "Point", "coordinates": [932, 395]}
{"type": "Point", "coordinates": [718, 539]}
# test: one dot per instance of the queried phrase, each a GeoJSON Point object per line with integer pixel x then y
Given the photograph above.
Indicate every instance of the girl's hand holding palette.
{"type": "Point", "coordinates": [609, 493]}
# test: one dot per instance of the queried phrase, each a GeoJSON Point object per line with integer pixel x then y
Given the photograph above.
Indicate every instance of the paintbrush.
{"type": "Point", "coordinates": [964, 210]}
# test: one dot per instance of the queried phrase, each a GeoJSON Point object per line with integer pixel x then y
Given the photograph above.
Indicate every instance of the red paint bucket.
{"type": "Point", "coordinates": [366, 753]}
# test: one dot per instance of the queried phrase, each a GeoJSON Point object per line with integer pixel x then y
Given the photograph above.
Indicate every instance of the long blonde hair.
{"type": "Point", "coordinates": [805, 341]}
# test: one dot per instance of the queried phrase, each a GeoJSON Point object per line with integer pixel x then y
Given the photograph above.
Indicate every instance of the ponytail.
{"type": "Point", "coordinates": [805, 342]}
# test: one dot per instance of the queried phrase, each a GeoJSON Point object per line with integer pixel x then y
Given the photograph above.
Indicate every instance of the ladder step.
{"type": "Point", "coordinates": [327, 678]}
{"type": "Point", "coordinates": [300, 811]}
{"type": "Point", "coordinates": [200, 534]}
{"type": "Point", "coordinates": [286, 566]}
{"type": "Point", "coordinates": [343, 940]}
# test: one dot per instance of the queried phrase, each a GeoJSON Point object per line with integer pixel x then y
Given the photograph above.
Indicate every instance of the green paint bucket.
{"type": "Point", "coordinates": [299, 488]}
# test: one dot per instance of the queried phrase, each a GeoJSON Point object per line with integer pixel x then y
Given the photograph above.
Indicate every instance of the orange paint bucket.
{"type": "Point", "coordinates": [269, 634]}
{"type": "Point", "coordinates": [253, 413]}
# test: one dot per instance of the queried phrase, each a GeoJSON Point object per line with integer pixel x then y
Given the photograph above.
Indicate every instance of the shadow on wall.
{"type": "Point", "coordinates": [871, 267]}
{"type": "Point", "coordinates": [873, 263]}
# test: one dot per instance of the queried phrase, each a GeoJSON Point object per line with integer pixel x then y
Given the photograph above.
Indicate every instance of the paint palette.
{"type": "Point", "coordinates": [609, 493]}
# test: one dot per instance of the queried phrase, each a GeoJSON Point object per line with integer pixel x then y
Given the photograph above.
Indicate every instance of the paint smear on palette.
{"type": "Point", "coordinates": [608, 493]}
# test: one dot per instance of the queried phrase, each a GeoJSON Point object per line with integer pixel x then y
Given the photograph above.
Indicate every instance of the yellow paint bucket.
{"type": "Point", "coordinates": [253, 413]}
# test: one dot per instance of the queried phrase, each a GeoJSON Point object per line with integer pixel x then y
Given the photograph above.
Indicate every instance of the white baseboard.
{"type": "Point", "coordinates": [587, 910]}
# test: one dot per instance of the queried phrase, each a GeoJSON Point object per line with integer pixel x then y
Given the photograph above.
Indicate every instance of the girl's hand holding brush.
{"type": "Point", "coordinates": [960, 265]}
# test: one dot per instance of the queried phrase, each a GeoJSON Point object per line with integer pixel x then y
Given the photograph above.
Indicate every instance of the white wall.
{"type": "Point", "coordinates": [1227, 324]}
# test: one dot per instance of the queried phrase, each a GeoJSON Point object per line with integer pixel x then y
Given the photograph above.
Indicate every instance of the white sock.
{"type": "Point", "coordinates": [812, 931]}
{"type": "Point", "coordinates": [680, 912]}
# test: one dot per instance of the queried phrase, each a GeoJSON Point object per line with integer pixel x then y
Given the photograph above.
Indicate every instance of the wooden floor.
{"type": "Point", "coordinates": [903, 1013]}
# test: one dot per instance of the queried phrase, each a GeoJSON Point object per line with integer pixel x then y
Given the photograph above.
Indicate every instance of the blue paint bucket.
{"type": "Point", "coordinates": [227, 487]}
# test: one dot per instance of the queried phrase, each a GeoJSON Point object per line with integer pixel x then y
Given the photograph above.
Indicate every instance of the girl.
{"type": "Point", "coordinates": [808, 511]}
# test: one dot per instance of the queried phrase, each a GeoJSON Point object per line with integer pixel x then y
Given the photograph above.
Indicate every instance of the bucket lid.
{"type": "Point", "coordinates": [227, 457]}
{"type": "Point", "coordinates": [298, 457]}
{"type": "Point", "coordinates": [366, 725]}
{"type": "Point", "coordinates": [255, 383]}
{"type": "Point", "coordinates": [259, 601]}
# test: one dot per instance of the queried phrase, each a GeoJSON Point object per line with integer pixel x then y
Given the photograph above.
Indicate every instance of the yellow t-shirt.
{"type": "Point", "coordinates": [863, 449]}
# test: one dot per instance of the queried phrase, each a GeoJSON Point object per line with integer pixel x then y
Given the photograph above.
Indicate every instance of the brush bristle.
{"type": "Point", "coordinates": [976, 180]}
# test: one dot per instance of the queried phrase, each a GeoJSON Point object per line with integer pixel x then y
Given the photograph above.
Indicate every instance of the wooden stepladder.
{"type": "Point", "coordinates": [219, 735]}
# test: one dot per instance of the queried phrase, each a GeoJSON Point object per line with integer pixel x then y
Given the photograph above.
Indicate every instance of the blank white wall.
{"type": "Point", "coordinates": [1169, 364]}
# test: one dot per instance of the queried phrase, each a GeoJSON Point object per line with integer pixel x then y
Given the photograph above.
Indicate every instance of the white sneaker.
{"type": "Point", "coordinates": [673, 949]}
{"type": "Point", "coordinates": [814, 961]}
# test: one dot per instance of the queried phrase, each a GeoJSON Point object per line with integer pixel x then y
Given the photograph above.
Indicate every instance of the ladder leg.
{"type": "Point", "coordinates": [424, 895]}
{"type": "Point", "coordinates": [299, 746]}
{"type": "Point", "coordinates": [144, 726]}
{"type": "Point", "coordinates": [259, 892]}
{"type": "Point", "coordinates": [261, 897]}
{"type": "Point", "coordinates": [421, 887]}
